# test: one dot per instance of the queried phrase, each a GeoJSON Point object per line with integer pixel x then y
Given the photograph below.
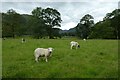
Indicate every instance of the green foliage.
{"type": "Point", "coordinates": [114, 18]}
{"type": "Point", "coordinates": [56, 33]}
{"type": "Point", "coordinates": [6, 29]}
{"type": "Point", "coordinates": [37, 27]}
{"type": "Point", "coordinates": [94, 59]}
{"type": "Point", "coordinates": [51, 18]}
{"type": "Point", "coordinates": [83, 28]}
{"type": "Point", "coordinates": [102, 30]}
{"type": "Point", "coordinates": [115, 23]}
{"type": "Point", "coordinates": [108, 28]}
{"type": "Point", "coordinates": [12, 24]}
{"type": "Point", "coordinates": [37, 12]}
{"type": "Point", "coordinates": [80, 30]}
{"type": "Point", "coordinates": [43, 23]}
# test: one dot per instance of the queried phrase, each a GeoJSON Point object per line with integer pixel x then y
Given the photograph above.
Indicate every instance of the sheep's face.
{"type": "Point", "coordinates": [50, 50]}
{"type": "Point", "coordinates": [78, 46]}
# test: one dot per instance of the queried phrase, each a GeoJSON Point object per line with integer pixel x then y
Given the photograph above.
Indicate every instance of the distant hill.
{"type": "Point", "coordinates": [70, 32]}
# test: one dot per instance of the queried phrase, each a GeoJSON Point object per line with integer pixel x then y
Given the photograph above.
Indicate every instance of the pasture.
{"type": "Point", "coordinates": [0, 57]}
{"type": "Point", "coordinates": [94, 59]}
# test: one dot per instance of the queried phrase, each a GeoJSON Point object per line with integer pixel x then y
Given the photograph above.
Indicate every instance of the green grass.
{"type": "Point", "coordinates": [94, 59]}
{"type": "Point", "coordinates": [0, 57]}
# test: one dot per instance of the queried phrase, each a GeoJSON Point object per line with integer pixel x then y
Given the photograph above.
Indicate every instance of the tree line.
{"type": "Point", "coordinates": [46, 22]}
{"type": "Point", "coordinates": [42, 22]}
{"type": "Point", "coordinates": [108, 28]}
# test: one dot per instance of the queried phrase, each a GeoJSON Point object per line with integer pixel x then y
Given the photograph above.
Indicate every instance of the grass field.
{"type": "Point", "coordinates": [94, 59]}
{"type": "Point", "coordinates": [0, 58]}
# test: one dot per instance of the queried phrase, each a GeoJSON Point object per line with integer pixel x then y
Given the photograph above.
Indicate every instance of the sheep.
{"type": "Point", "coordinates": [23, 40]}
{"type": "Point", "coordinates": [84, 39]}
{"type": "Point", "coordinates": [42, 52]}
{"type": "Point", "coordinates": [74, 44]}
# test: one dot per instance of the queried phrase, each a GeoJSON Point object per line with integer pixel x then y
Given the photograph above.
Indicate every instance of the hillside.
{"type": "Point", "coordinates": [70, 31]}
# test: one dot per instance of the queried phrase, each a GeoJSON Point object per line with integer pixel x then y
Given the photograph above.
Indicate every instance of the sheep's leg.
{"type": "Point", "coordinates": [76, 47]}
{"type": "Point", "coordinates": [36, 59]}
{"type": "Point", "coordinates": [46, 59]}
{"type": "Point", "coordinates": [50, 55]}
{"type": "Point", "coordinates": [71, 47]}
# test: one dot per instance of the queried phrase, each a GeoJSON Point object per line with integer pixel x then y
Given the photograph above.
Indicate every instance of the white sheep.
{"type": "Point", "coordinates": [84, 39]}
{"type": "Point", "coordinates": [42, 52]}
{"type": "Point", "coordinates": [74, 44]}
{"type": "Point", "coordinates": [23, 40]}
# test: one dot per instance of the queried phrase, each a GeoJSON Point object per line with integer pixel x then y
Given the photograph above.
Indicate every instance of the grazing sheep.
{"type": "Point", "coordinates": [23, 40]}
{"type": "Point", "coordinates": [84, 39]}
{"type": "Point", "coordinates": [42, 52]}
{"type": "Point", "coordinates": [74, 44]}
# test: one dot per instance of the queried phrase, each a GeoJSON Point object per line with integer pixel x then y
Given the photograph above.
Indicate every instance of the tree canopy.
{"type": "Point", "coordinates": [51, 18]}
{"type": "Point", "coordinates": [46, 22]}
{"type": "Point", "coordinates": [109, 27]}
{"type": "Point", "coordinates": [83, 28]}
{"type": "Point", "coordinates": [40, 24]}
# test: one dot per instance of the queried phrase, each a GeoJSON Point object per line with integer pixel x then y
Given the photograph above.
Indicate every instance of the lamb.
{"type": "Point", "coordinates": [23, 40]}
{"type": "Point", "coordinates": [74, 44]}
{"type": "Point", "coordinates": [84, 39]}
{"type": "Point", "coordinates": [42, 52]}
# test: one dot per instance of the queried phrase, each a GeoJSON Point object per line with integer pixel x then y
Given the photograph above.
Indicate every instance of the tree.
{"type": "Point", "coordinates": [115, 22]}
{"type": "Point", "coordinates": [56, 33]}
{"type": "Point", "coordinates": [6, 29]}
{"type": "Point", "coordinates": [51, 18]}
{"type": "Point", "coordinates": [83, 28]}
{"type": "Point", "coordinates": [114, 18]}
{"type": "Point", "coordinates": [12, 23]}
{"type": "Point", "coordinates": [109, 27]}
{"type": "Point", "coordinates": [79, 30]}
{"type": "Point", "coordinates": [37, 27]}
{"type": "Point", "coordinates": [102, 30]}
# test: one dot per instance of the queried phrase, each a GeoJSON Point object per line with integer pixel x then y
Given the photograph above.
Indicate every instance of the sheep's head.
{"type": "Point", "coordinates": [50, 50]}
{"type": "Point", "coordinates": [78, 46]}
